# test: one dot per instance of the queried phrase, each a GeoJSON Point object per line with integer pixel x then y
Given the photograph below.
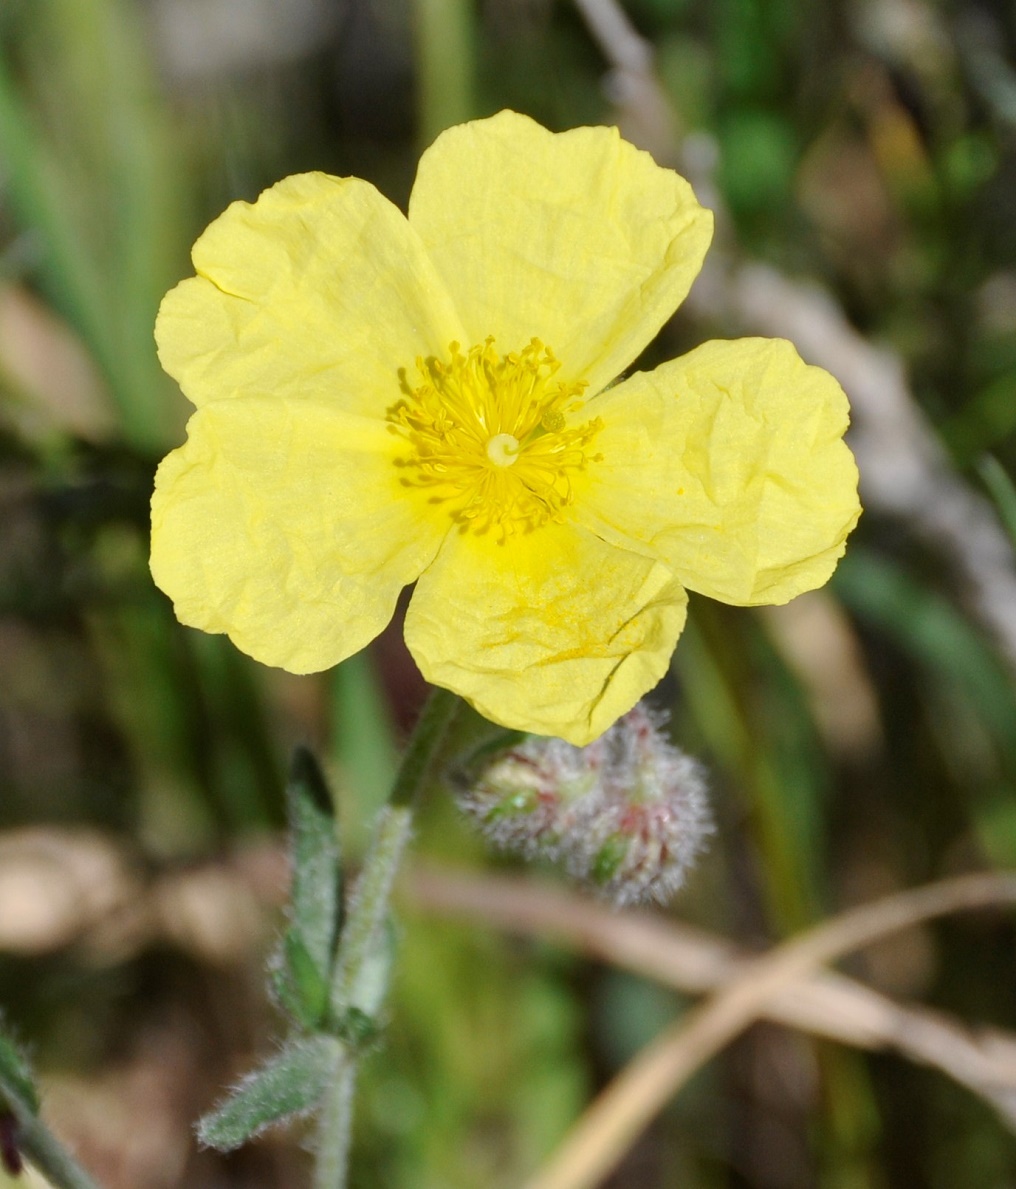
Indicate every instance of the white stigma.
{"type": "Point", "coordinates": [503, 449]}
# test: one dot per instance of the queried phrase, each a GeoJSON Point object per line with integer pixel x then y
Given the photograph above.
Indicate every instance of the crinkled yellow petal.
{"type": "Point", "coordinates": [319, 289]}
{"type": "Point", "coordinates": [729, 464]}
{"type": "Point", "coordinates": [553, 631]}
{"type": "Point", "coordinates": [576, 238]}
{"type": "Point", "coordinates": [282, 523]}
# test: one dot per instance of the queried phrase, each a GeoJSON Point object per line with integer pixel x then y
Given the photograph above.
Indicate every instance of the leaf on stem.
{"type": "Point", "coordinates": [17, 1089]}
{"type": "Point", "coordinates": [304, 967]}
{"type": "Point", "coordinates": [291, 1084]}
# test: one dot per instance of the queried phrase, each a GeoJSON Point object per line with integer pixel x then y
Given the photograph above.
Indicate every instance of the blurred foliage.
{"type": "Point", "coordinates": [860, 740]}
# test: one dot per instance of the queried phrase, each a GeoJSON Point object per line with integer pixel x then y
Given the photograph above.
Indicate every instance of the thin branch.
{"type": "Point", "coordinates": [693, 961]}
{"type": "Point", "coordinates": [604, 1133]}
{"type": "Point", "coordinates": [644, 113]}
{"type": "Point", "coordinates": [88, 893]}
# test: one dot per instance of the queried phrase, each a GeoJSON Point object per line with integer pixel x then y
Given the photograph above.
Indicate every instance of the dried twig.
{"type": "Point", "coordinates": [693, 961]}
{"type": "Point", "coordinates": [645, 114]}
{"type": "Point", "coordinates": [62, 889]}
{"type": "Point", "coordinates": [606, 1130]}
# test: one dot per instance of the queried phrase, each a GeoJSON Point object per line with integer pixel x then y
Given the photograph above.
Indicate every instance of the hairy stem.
{"type": "Point", "coordinates": [334, 1125]}
{"type": "Point", "coordinates": [43, 1150]}
{"type": "Point", "coordinates": [368, 911]}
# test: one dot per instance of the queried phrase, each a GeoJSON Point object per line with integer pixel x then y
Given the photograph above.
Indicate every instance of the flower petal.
{"type": "Point", "coordinates": [282, 523]}
{"type": "Point", "coordinates": [728, 464]}
{"type": "Point", "coordinates": [320, 289]}
{"type": "Point", "coordinates": [576, 238]}
{"type": "Point", "coordinates": [553, 632]}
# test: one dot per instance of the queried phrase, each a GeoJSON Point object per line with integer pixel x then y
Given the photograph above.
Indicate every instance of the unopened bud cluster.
{"type": "Point", "coordinates": [626, 815]}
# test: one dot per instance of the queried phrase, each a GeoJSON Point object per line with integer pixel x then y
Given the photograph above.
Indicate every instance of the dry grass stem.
{"type": "Point", "coordinates": [64, 889]}
{"type": "Point", "coordinates": [644, 113]}
{"type": "Point", "coordinates": [690, 960]}
{"type": "Point", "coordinates": [601, 1137]}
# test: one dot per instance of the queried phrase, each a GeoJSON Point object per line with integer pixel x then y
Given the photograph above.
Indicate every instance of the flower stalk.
{"type": "Point", "coordinates": [331, 971]}
{"type": "Point", "coordinates": [335, 1126]}
{"type": "Point", "coordinates": [24, 1137]}
{"type": "Point", "coordinates": [363, 935]}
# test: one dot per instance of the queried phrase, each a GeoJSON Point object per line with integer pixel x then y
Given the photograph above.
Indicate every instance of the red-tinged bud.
{"type": "Point", "coordinates": [626, 815]}
{"type": "Point", "coordinates": [523, 797]}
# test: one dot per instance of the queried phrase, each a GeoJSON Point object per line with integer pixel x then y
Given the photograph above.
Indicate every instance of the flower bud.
{"type": "Point", "coordinates": [524, 797]}
{"type": "Point", "coordinates": [627, 814]}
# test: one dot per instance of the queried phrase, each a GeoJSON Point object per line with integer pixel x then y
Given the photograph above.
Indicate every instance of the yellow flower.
{"type": "Point", "coordinates": [384, 400]}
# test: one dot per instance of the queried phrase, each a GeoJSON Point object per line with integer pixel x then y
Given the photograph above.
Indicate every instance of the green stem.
{"type": "Point", "coordinates": [334, 1126]}
{"type": "Point", "coordinates": [369, 904]}
{"type": "Point", "coordinates": [41, 1148]}
{"type": "Point", "coordinates": [368, 911]}
{"type": "Point", "coordinates": [368, 907]}
{"type": "Point", "coordinates": [425, 744]}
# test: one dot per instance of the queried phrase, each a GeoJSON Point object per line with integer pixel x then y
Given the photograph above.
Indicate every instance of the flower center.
{"type": "Point", "coordinates": [494, 437]}
{"type": "Point", "coordinates": [503, 449]}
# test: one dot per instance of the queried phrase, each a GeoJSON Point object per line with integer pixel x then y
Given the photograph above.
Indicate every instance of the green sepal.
{"type": "Point", "coordinates": [464, 770]}
{"type": "Point", "coordinates": [289, 1085]}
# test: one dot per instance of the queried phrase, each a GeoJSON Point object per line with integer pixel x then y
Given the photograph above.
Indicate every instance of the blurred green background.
{"type": "Point", "coordinates": [859, 741]}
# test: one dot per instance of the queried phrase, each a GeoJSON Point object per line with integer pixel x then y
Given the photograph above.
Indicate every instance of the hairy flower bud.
{"type": "Point", "coordinates": [627, 814]}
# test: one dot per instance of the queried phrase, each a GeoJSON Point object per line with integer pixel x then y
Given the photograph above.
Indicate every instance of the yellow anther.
{"type": "Point", "coordinates": [477, 408]}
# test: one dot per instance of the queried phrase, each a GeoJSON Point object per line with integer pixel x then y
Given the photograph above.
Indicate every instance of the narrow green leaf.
{"type": "Point", "coordinates": [357, 1021]}
{"type": "Point", "coordinates": [936, 634]}
{"type": "Point", "coordinates": [316, 894]}
{"type": "Point", "coordinates": [1002, 490]}
{"type": "Point", "coordinates": [92, 169]}
{"type": "Point", "coordinates": [289, 1085]}
{"type": "Point", "coordinates": [369, 988]}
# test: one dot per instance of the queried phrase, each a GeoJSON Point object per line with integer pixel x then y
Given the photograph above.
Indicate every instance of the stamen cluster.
{"type": "Point", "coordinates": [493, 436]}
{"type": "Point", "coordinates": [626, 815]}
